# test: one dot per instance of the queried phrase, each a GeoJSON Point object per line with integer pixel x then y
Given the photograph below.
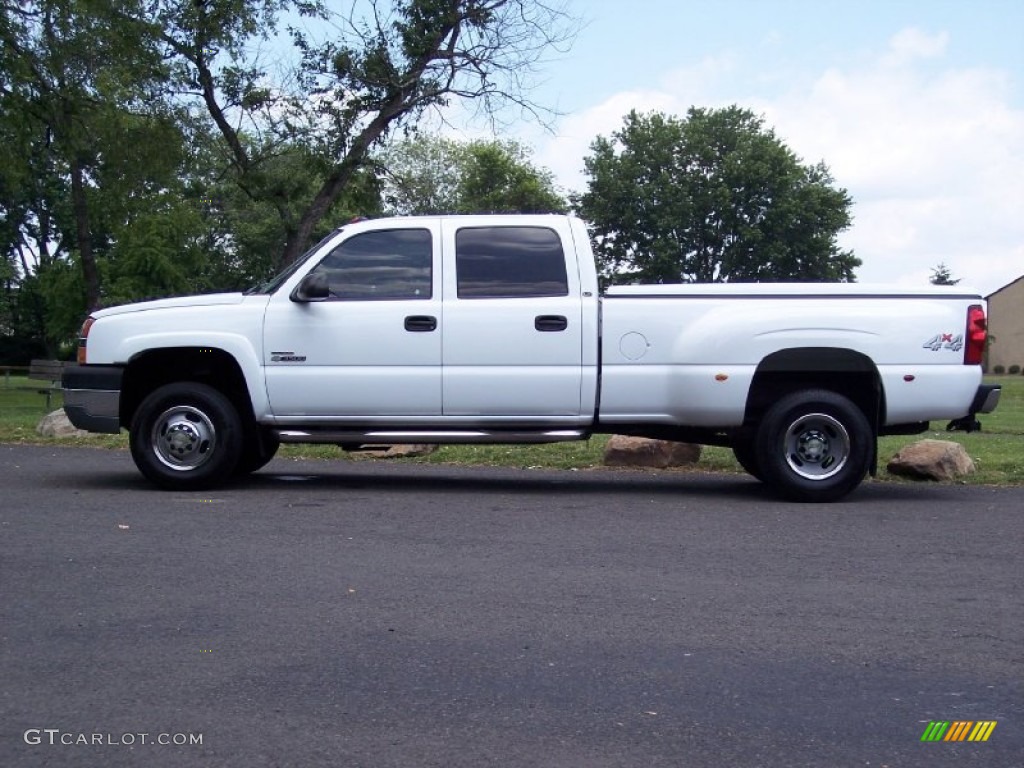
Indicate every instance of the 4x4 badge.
{"type": "Point", "coordinates": [945, 341]}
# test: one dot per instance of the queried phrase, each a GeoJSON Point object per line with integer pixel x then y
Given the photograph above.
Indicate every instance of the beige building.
{"type": "Point", "coordinates": [1006, 326]}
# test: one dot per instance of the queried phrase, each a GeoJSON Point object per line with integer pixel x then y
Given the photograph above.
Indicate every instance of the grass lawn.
{"type": "Point", "coordinates": [998, 451]}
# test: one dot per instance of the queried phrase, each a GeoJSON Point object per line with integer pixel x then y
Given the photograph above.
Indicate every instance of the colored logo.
{"type": "Point", "coordinates": [945, 341]}
{"type": "Point", "coordinates": [958, 730]}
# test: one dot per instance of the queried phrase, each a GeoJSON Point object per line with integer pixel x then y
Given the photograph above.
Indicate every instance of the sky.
{"type": "Point", "coordinates": [916, 106]}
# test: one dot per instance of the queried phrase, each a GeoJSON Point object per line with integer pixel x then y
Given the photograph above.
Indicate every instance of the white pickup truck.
{"type": "Point", "coordinates": [490, 329]}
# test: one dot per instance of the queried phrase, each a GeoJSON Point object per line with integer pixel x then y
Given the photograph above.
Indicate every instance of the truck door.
{"type": "Point", "coordinates": [513, 338]}
{"type": "Point", "coordinates": [372, 348]}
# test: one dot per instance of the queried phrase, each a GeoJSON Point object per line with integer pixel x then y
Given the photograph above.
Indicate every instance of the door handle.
{"type": "Point", "coordinates": [420, 323]}
{"type": "Point", "coordinates": [550, 323]}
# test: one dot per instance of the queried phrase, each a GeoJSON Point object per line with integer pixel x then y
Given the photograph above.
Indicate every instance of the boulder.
{"type": "Point", "coordinates": [624, 451]}
{"type": "Point", "coordinates": [931, 460]}
{"type": "Point", "coordinates": [56, 424]}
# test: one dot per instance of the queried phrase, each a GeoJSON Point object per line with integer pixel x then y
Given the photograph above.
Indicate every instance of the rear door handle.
{"type": "Point", "coordinates": [420, 323]}
{"type": "Point", "coordinates": [550, 323]}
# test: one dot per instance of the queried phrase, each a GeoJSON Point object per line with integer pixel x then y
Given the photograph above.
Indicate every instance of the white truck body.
{"type": "Point", "coordinates": [695, 332]}
{"type": "Point", "coordinates": [491, 329]}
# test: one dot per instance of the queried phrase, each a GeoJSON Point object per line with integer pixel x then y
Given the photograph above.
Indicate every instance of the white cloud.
{"type": "Point", "coordinates": [913, 43]}
{"type": "Point", "coordinates": [933, 156]}
{"type": "Point", "coordinates": [934, 161]}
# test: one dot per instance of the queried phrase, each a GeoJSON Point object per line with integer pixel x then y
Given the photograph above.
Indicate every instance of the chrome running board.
{"type": "Point", "coordinates": [398, 437]}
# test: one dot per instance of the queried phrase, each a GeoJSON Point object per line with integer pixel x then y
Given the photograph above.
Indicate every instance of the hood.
{"type": "Point", "coordinates": [179, 302]}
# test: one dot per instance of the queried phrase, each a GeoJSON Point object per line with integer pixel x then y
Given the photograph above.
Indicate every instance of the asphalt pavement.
{"type": "Point", "coordinates": [385, 614]}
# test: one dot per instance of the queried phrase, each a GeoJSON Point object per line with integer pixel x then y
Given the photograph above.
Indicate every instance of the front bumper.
{"type": "Point", "coordinates": [92, 397]}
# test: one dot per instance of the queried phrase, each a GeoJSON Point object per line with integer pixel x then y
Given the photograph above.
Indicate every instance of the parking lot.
{"type": "Point", "coordinates": [381, 614]}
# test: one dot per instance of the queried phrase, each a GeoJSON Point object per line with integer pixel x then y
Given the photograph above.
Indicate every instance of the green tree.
{"type": "Point", "coordinates": [150, 148]}
{"type": "Point", "coordinates": [432, 174]}
{"type": "Point", "coordinates": [388, 63]}
{"type": "Point", "coordinates": [713, 197]}
{"type": "Point", "coordinates": [942, 276]}
{"type": "Point", "coordinates": [244, 237]}
{"type": "Point", "coordinates": [77, 79]}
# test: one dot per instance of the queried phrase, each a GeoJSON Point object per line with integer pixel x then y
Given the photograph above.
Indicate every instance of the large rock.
{"type": "Point", "coordinates": [931, 460]}
{"type": "Point", "coordinates": [624, 451]}
{"type": "Point", "coordinates": [56, 424]}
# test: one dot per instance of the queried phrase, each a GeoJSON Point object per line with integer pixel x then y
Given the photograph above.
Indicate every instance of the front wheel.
{"type": "Point", "coordinates": [814, 445]}
{"type": "Point", "coordinates": [186, 436]}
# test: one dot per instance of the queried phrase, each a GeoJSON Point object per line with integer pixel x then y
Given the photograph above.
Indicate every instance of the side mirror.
{"type": "Point", "coordinates": [313, 287]}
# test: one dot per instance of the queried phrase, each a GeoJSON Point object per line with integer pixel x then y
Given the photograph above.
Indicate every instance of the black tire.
{"type": "Point", "coordinates": [186, 436]}
{"type": "Point", "coordinates": [814, 445]}
{"type": "Point", "coordinates": [259, 447]}
{"type": "Point", "coordinates": [746, 454]}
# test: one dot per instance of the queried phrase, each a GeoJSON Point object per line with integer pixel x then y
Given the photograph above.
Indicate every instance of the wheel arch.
{"type": "Point", "coordinates": [843, 371]}
{"type": "Point", "coordinates": [153, 368]}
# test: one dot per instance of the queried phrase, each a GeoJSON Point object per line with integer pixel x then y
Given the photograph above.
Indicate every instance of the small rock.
{"type": "Point", "coordinates": [625, 451]}
{"type": "Point", "coordinates": [407, 451]}
{"type": "Point", "coordinates": [931, 460]}
{"type": "Point", "coordinates": [57, 424]}
{"type": "Point", "coordinates": [385, 451]}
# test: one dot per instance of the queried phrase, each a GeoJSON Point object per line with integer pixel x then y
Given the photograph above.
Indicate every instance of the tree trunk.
{"type": "Point", "coordinates": [340, 176]}
{"type": "Point", "coordinates": [83, 236]}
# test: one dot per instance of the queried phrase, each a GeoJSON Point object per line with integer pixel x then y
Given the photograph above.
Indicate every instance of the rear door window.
{"type": "Point", "coordinates": [509, 262]}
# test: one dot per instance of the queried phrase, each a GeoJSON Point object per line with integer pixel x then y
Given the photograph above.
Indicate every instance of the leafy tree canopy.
{"type": "Point", "coordinates": [386, 64]}
{"type": "Point", "coordinates": [153, 148]}
{"type": "Point", "coordinates": [432, 174]}
{"type": "Point", "coordinates": [712, 197]}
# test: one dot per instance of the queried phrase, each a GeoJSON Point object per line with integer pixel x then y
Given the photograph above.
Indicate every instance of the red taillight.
{"type": "Point", "coordinates": [974, 349]}
{"type": "Point", "coordinates": [83, 338]}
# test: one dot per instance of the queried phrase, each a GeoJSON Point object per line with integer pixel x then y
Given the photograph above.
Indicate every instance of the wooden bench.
{"type": "Point", "coordinates": [49, 371]}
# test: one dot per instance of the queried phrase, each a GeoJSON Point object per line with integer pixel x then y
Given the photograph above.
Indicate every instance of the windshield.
{"type": "Point", "coordinates": [275, 282]}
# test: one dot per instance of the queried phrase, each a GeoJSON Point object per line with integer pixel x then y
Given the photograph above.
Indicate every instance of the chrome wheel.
{"type": "Point", "coordinates": [186, 435]}
{"type": "Point", "coordinates": [817, 446]}
{"type": "Point", "coordinates": [183, 438]}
